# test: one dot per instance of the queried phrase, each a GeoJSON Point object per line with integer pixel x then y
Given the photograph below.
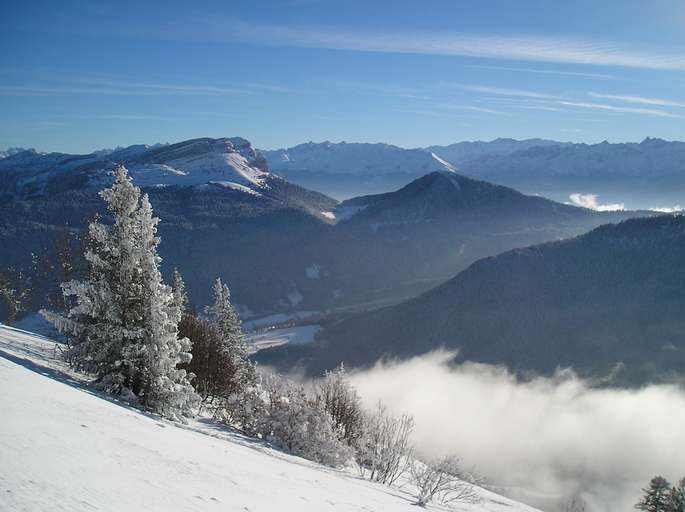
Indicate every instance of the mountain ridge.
{"type": "Point", "coordinates": [646, 174]}
{"type": "Point", "coordinates": [280, 246]}
{"type": "Point", "coordinates": [607, 303]}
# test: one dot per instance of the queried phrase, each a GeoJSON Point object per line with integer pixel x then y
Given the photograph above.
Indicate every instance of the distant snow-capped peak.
{"type": "Point", "coordinates": [200, 161]}
{"type": "Point", "coordinates": [189, 163]}
{"type": "Point", "coordinates": [4, 153]}
{"type": "Point", "coordinates": [354, 158]}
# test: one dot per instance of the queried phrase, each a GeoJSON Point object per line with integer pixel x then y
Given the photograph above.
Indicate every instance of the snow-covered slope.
{"type": "Point", "coordinates": [229, 161]}
{"type": "Point", "coordinates": [645, 175]}
{"type": "Point", "coordinates": [64, 447]}
{"type": "Point", "coordinates": [4, 153]}
{"type": "Point", "coordinates": [647, 159]}
{"type": "Point", "coordinates": [200, 161]}
{"type": "Point", "coordinates": [464, 152]}
{"type": "Point", "coordinates": [354, 158]}
{"type": "Point", "coordinates": [346, 170]}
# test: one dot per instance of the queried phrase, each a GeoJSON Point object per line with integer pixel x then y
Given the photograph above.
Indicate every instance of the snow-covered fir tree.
{"type": "Point", "coordinates": [178, 288]}
{"type": "Point", "coordinates": [677, 497]}
{"type": "Point", "coordinates": [234, 350]}
{"type": "Point", "coordinates": [123, 320]}
{"type": "Point", "coordinates": [656, 497]}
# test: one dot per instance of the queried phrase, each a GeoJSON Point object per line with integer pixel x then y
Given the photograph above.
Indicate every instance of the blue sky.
{"type": "Point", "coordinates": [79, 76]}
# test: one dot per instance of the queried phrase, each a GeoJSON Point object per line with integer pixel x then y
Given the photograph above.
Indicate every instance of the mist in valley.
{"type": "Point", "coordinates": [542, 440]}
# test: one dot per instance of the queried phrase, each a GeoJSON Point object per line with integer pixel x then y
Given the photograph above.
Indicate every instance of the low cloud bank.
{"type": "Point", "coordinates": [591, 201]}
{"type": "Point", "coordinates": [667, 209]}
{"type": "Point", "coordinates": [544, 439]}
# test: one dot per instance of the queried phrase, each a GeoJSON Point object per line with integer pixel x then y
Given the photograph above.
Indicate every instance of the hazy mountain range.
{"type": "Point", "coordinates": [645, 175]}
{"type": "Point", "coordinates": [280, 246]}
{"type": "Point", "coordinates": [345, 170]}
{"type": "Point", "coordinates": [650, 174]}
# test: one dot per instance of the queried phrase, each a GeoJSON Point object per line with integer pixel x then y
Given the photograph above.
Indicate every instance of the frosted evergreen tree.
{"type": "Point", "coordinates": [166, 388]}
{"type": "Point", "coordinates": [677, 497]}
{"type": "Point", "coordinates": [178, 287]}
{"type": "Point", "coordinates": [122, 321]}
{"type": "Point", "coordinates": [656, 496]}
{"type": "Point", "coordinates": [225, 316]}
{"type": "Point", "coordinates": [238, 367]}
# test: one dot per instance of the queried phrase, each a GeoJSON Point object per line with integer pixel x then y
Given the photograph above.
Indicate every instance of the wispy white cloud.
{"type": "Point", "coordinates": [375, 89]}
{"type": "Point", "coordinates": [424, 112]}
{"type": "Point", "coordinates": [515, 48]}
{"type": "Point", "coordinates": [122, 89]}
{"type": "Point", "coordinates": [544, 108]}
{"type": "Point", "coordinates": [173, 88]}
{"type": "Point", "coordinates": [98, 86]}
{"type": "Point", "coordinates": [517, 93]}
{"type": "Point", "coordinates": [123, 117]}
{"type": "Point", "coordinates": [590, 201]}
{"type": "Point", "coordinates": [131, 117]}
{"type": "Point", "coordinates": [473, 108]}
{"type": "Point", "coordinates": [637, 99]}
{"type": "Point", "coordinates": [483, 110]}
{"type": "Point", "coordinates": [667, 209]}
{"type": "Point", "coordinates": [603, 76]}
{"type": "Point", "coordinates": [613, 108]}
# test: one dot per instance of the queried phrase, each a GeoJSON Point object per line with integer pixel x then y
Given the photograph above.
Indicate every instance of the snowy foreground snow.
{"type": "Point", "coordinates": [65, 447]}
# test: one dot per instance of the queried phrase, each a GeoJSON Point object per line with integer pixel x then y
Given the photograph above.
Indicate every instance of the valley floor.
{"type": "Point", "coordinates": [65, 447]}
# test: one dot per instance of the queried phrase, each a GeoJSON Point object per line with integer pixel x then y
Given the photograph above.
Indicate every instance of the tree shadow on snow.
{"type": "Point", "coordinates": [70, 380]}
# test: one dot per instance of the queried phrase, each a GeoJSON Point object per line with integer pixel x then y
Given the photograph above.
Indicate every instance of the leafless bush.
{"type": "Point", "coordinates": [14, 292]}
{"type": "Point", "coordinates": [574, 504]}
{"type": "Point", "coordinates": [385, 451]}
{"type": "Point", "coordinates": [440, 480]}
{"type": "Point", "coordinates": [209, 364]}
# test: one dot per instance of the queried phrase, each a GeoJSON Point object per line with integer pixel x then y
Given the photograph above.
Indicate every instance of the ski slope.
{"type": "Point", "coordinates": [64, 447]}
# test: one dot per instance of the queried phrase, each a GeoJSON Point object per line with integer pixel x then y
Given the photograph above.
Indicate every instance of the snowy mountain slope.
{"type": "Point", "coordinates": [231, 164]}
{"type": "Point", "coordinates": [353, 158]}
{"type": "Point", "coordinates": [4, 153]}
{"type": "Point", "coordinates": [645, 175]}
{"type": "Point", "coordinates": [215, 198]}
{"type": "Point", "coordinates": [64, 447]}
{"type": "Point", "coordinates": [462, 153]}
{"type": "Point", "coordinates": [192, 162]}
{"type": "Point", "coordinates": [200, 161]}
{"type": "Point", "coordinates": [648, 159]}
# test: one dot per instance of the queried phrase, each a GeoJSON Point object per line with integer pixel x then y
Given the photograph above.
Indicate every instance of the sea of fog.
{"type": "Point", "coordinates": [542, 440]}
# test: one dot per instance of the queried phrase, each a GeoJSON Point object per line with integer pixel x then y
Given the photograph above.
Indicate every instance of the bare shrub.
{"type": "Point", "coordinates": [212, 377]}
{"type": "Point", "coordinates": [14, 292]}
{"type": "Point", "coordinates": [575, 504]}
{"type": "Point", "coordinates": [385, 451]}
{"type": "Point", "coordinates": [441, 480]}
